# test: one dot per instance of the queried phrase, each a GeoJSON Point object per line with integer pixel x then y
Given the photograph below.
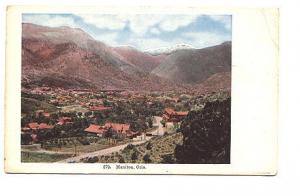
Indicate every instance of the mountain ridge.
{"type": "Point", "coordinates": [69, 58]}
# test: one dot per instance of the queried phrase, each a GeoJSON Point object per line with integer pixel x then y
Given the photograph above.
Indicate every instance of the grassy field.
{"type": "Point", "coordinates": [37, 157]}
{"type": "Point", "coordinates": [74, 108]}
{"type": "Point", "coordinates": [102, 144]}
{"type": "Point", "coordinates": [30, 105]}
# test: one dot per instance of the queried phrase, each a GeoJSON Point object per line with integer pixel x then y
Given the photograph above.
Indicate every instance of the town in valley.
{"type": "Point", "coordinates": [83, 101]}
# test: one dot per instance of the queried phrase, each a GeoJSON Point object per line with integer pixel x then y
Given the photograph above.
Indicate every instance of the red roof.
{"type": "Point", "coordinates": [64, 120]}
{"type": "Point", "coordinates": [45, 126]}
{"type": "Point", "coordinates": [118, 127]}
{"type": "Point", "coordinates": [33, 125]}
{"type": "Point", "coordinates": [46, 114]}
{"type": "Point", "coordinates": [40, 126]}
{"type": "Point", "coordinates": [169, 111]}
{"type": "Point", "coordinates": [95, 129]}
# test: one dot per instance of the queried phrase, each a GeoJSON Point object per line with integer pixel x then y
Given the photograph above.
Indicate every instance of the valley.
{"type": "Point", "coordinates": [85, 101]}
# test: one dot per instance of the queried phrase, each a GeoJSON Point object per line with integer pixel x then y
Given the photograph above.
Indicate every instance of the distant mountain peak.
{"type": "Point", "coordinates": [168, 50]}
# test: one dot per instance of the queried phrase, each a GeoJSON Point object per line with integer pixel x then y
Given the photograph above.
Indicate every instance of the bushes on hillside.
{"type": "Point", "coordinates": [206, 135]}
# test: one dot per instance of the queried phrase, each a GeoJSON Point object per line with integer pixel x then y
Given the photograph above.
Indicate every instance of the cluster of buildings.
{"type": "Point", "coordinates": [93, 101]}
{"type": "Point", "coordinates": [170, 115]}
{"type": "Point", "coordinates": [35, 126]}
{"type": "Point", "coordinates": [121, 130]}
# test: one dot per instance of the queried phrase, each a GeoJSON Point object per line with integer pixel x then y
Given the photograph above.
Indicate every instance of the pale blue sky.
{"type": "Point", "coordinates": [144, 32]}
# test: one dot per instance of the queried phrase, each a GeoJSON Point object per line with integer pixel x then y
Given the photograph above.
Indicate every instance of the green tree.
{"type": "Point", "coordinates": [163, 122]}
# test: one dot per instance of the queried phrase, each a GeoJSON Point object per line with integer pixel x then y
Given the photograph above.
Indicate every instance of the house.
{"type": "Point", "coordinates": [33, 125]}
{"type": "Point", "coordinates": [41, 113]}
{"type": "Point", "coordinates": [64, 120]}
{"type": "Point", "coordinates": [96, 129]}
{"type": "Point", "coordinates": [121, 129]}
{"type": "Point", "coordinates": [171, 115]}
{"type": "Point", "coordinates": [46, 114]}
{"type": "Point", "coordinates": [36, 126]}
{"type": "Point", "coordinates": [45, 126]}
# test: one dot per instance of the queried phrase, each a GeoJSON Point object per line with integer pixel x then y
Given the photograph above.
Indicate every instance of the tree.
{"type": "Point", "coordinates": [163, 122]}
{"type": "Point", "coordinates": [121, 160]}
{"type": "Point", "coordinates": [109, 133]}
{"type": "Point", "coordinates": [129, 147]}
{"type": "Point", "coordinates": [149, 146]}
{"type": "Point", "coordinates": [176, 127]}
{"type": "Point", "coordinates": [150, 122]}
{"type": "Point", "coordinates": [26, 139]}
{"type": "Point", "coordinates": [94, 159]}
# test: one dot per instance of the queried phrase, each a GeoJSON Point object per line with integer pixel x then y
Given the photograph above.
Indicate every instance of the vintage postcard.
{"type": "Point", "coordinates": [141, 90]}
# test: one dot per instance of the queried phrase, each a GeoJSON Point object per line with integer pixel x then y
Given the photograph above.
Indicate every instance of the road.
{"type": "Point", "coordinates": [159, 131]}
{"type": "Point", "coordinates": [102, 152]}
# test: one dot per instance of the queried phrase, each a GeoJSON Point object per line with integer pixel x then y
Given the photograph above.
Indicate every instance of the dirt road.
{"type": "Point", "coordinates": [101, 152]}
{"type": "Point", "coordinates": [160, 129]}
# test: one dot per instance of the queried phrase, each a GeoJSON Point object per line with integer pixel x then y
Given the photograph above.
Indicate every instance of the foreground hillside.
{"type": "Point", "coordinates": [157, 150]}
{"type": "Point", "coordinates": [206, 135]}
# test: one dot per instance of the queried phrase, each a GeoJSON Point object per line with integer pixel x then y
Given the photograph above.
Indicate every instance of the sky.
{"type": "Point", "coordinates": [144, 31]}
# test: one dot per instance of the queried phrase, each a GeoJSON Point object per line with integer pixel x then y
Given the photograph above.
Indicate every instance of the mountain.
{"type": "Point", "coordinates": [217, 82]}
{"type": "Point", "coordinates": [70, 58]}
{"type": "Point", "coordinates": [194, 66]}
{"type": "Point", "coordinates": [169, 50]}
{"type": "Point", "coordinates": [145, 61]}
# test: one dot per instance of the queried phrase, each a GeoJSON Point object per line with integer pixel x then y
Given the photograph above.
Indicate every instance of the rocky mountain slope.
{"type": "Point", "coordinates": [70, 58]}
{"type": "Point", "coordinates": [144, 61]}
{"type": "Point", "coordinates": [193, 66]}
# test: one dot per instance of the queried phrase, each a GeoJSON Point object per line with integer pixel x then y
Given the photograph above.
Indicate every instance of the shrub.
{"type": "Point", "coordinates": [93, 159]}
{"type": "Point", "coordinates": [147, 159]}
{"type": "Point", "coordinates": [129, 147]}
{"type": "Point", "coordinates": [84, 141]}
{"type": "Point", "coordinates": [167, 159]}
{"type": "Point", "coordinates": [121, 160]}
{"type": "Point", "coordinates": [149, 146]}
{"type": "Point", "coordinates": [134, 156]}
